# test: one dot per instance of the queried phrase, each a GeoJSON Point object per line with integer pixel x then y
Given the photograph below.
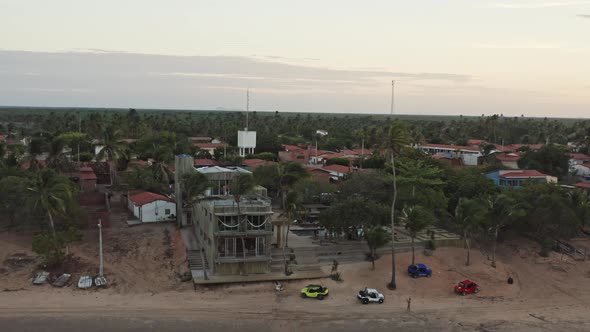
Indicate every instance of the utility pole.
{"type": "Point", "coordinates": [100, 280]}
{"type": "Point", "coordinates": [80, 131]}
{"type": "Point", "coordinates": [362, 152]}
{"type": "Point", "coordinates": [100, 268]}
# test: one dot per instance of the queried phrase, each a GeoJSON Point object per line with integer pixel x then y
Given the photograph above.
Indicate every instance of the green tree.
{"type": "Point", "coordinates": [468, 216]}
{"type": "Point", "coordinates": [311, 191]}
{"type": "Point", "coordinates": [52, 193]}
{"type": "Point", "coordinates": [338, 161]}
{"type": "Point", "coordinates": [193, 186]}
{"type": "Point", "coordinates": [13, 192]}
{"type": "Point", "coordinates": [292, 211]}
{"type": "Point", "coordinates": [376, 238]}
{"type": "Point", "coordinates": [549, 159]}
{"type": "Point", "coordinates": [287, 175]}
{"type": "Point", "coordinates": [346, 214]}
{"type": "Point", "coordinates": [75, 141]}
{"type": "Point", "coordinates": [113, 149]}
{"type": "Point", "coordinates": [416, 219]}
{"type": "Point", "coordinates": [500, 211]}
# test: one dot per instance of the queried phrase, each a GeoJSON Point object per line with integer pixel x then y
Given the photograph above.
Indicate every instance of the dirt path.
{"type": "Point", "coordinates": [548, 294]}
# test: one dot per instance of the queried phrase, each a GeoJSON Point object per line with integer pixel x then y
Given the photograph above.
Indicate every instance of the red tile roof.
{"type": "Point", "coordinates": [206, 162]}
{"type": "Point", "coordinates": [584, 185]}
{"type": "Point", "coordinates": [148, 197]}
{"type": "Point", "coordinates": [27, 164]}
{"type": "Point", "coordinates": [128, 140]}
{"type": "Point", "coordinates": [587, 165]}
{"type": "Point", "coordinates": [579, 156]}
{"type": "Point", "coordinates": [292, 147]}
{"type": "Point", "coordinates": [524, 174]}
{"type": "Point", "coordinates": [507, 157]}
{"type": "Point", "coordinates": [209, 145]}
{"type": "Point", "coordinates": [87, 173]}
{"type": "Point", "coordinates": [140, 163]}
{"type": "Point", "coordinates": [476, 141]}
{"type": "Point", "coordinates": [335, 155]}
{"type": "Point", "coordinates": [338, 169]}
{"type": "Point", "coordinates": [249, 162]}
{"type": "Point", "coordinates": [201, 138]}
{"type": "Point", "coordinates": [360, 152]}
{"type": "Point", "coordinates": [515, 147]}
{"type": "Point", "coordinates": [321, 152]}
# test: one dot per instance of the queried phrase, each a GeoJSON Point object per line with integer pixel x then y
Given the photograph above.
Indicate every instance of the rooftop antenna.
{"type": "Point", "coordinates": [247, 106]}
{"type": "Point", "coordinates": [392, 96]}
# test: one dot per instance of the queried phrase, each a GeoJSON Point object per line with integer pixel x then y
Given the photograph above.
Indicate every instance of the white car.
{"type": "Point", "coordinates": [370, 295]}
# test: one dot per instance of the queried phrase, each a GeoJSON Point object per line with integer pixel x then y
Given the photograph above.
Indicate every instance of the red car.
{"type": "Point", "coordinates": [466, 287]}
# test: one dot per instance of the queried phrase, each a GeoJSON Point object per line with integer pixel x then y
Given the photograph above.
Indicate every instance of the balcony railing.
{"type": "Point", "coordinates": [233, 210]}
{"type": "Point", "coordinates": [243, 227]}
{"type": "Point", "coordinates": [239, 256]}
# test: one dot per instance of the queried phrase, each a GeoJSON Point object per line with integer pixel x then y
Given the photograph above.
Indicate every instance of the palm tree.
{"type": "Point", "coordinates": [193, 185]}
{"type": "Point", "coordinates": [160, 170]}
{"type": "Point", "coordinates": [239, 186]}
{"type": "Point", "coordinates": [416, 219]}
{"type": "Point", "coordinates": [468, 216]}
{"type": "Point", "coordinates": [376, 238]}
{"type": "Point", "coordinates": [395, 140]}
{"type": "Point", "coordinates": [287, 175]}
{"type": "Point", "coordinates": [52, 193]}
{"type": "Point", "coordinates": [292, 210]}
{"type": "Point", "coordinates": [58, 158]}
{"type": "Point", "coordinates": [112, 150]}
{"type": "Point", "coordinates": [34, 149]}
{"type": "Point", "coordinates": [2, 153]}
{"type": "Point", "coordinates": [501, 209]}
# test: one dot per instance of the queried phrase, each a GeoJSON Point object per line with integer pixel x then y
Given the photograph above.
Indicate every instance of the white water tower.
{"type": "Point", "coordinates": [246, 139]}
{"type": "Point", "coordinates": [246, 142]}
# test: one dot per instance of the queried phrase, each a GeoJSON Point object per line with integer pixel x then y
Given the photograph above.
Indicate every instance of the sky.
{"type": "Point", "coordinates": [470, 57]}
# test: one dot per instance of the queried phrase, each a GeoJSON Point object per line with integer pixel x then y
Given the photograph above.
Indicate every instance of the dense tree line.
{"type": "Point", "coordinates": [402, 187]}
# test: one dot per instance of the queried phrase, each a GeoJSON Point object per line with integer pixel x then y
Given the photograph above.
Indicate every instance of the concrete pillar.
{"type": "Point", "coordinates": [183, 164]}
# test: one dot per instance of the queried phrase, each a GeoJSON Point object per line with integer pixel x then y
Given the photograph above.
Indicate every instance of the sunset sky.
{"type": "Point", "coordinates": [466, 57]}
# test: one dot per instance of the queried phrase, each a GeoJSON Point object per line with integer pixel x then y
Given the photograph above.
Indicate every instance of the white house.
{"type": "Point", "coordinates": [469, 154]}
{"type": "Point", "coordinates": [152, 207]}
{"type": "Point", "coordinates": [581, 170]}
{"type": "Point", "coordinates": [578, 159]}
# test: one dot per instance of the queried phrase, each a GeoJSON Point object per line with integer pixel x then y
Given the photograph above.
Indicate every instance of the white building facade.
{"type": "Point", "coordinates": [152, 207]}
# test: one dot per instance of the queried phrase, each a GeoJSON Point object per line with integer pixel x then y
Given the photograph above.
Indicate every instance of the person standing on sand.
{"type": "Point", "coordinates": [409, 303]}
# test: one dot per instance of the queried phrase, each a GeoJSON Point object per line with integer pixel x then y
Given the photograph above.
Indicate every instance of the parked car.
{"type": "Point", "coordinates": [419, 270]}
{"type": "Point", "coordinates": [370, 295]}
{"type": "Point", "coordinates": [466, 287]}
{"type": "Point", "coordinates": [314, 291]}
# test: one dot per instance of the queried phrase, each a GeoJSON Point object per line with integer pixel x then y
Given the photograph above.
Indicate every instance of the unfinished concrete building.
{"type": "Point", "coordinates": [234, 235]}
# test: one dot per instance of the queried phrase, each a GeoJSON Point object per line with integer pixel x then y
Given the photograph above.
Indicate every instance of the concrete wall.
{"type": "Point", "coordinates": [236, 268]}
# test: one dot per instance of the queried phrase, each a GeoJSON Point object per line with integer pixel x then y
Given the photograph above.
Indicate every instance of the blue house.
{"type": "Point", "coordinates": [516, 178]}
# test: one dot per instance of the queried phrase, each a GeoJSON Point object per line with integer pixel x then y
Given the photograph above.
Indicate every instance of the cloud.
{"type": "Point", "coordinates": [517, 46]}
{"type": "Point", "coordinates": [103, 78]}
{"type": "Point", "coordinates": [584, 15]}
{"type": "Point", "coordinates": [537, 4]}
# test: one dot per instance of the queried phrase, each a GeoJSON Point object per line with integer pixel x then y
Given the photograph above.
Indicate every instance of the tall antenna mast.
{"type": "Point", "coordinates": [247, 106]}
{"type": "Point", "coordinates": [392, 96]}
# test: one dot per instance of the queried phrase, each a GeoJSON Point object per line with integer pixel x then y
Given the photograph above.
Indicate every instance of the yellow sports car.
{"type": "Point", "coordinates": [315, 291]}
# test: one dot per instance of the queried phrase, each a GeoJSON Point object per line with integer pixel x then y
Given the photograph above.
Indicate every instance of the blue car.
{"type": "Point", "coordinates": [419, 270]}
